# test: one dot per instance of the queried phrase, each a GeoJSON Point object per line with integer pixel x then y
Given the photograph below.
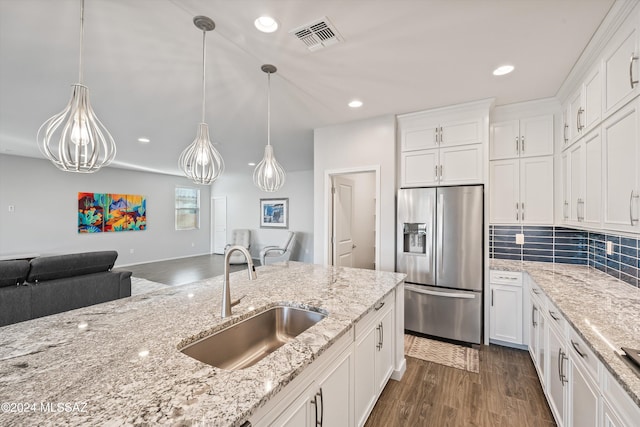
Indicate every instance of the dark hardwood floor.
{"type": "Point", "coordinates": [183, 270]}
{"type": "Point", "coordinates": [506, 393]}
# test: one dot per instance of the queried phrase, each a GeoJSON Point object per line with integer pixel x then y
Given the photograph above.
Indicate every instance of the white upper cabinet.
{"type": "Point", "coordinates": [620, 65]}
{"type": "Point", "coordinates": [621, 157]}
{"type": "Point", "coordinates": [443, 146]}
{"type": "Point", "coordinates": [521, 191]}
{"type": "Point", "coordinates": [527, 137]}
{"type": "Point", "coordinates": [583, 111]}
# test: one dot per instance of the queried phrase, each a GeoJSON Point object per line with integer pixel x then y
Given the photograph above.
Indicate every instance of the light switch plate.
{"type": "Point", "coordinates": [520, 239]}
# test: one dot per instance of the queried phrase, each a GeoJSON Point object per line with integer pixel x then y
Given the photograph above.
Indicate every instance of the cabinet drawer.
{"type": "Point", "coordinates": [375, 314]}
{"type": "Point", "coordinates": [513, 278]}
{"type": "Point", "coordinates": [556, 318]}
{"type": "Point", "coordinates": [619, 400]}
{"type": "Point", "coordinates": [580, 351]}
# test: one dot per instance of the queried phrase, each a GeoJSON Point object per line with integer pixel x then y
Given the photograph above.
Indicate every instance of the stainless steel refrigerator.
{"type": "Point", "coordinates": [440, 248]}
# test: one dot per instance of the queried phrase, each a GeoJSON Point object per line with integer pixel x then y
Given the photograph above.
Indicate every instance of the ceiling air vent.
{"type": "Point", "coordinates": [318, 34]}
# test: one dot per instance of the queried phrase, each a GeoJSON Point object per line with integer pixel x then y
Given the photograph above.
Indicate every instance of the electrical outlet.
{"type": "Point", "coordinates": [193, 245]}
{"type": "Point", "coordinates": [609, 247]}
{"type": "Point", "coordinates": [12, 208]}
{"type": "Point", "coordinates": [520, 239]}
{"type": "Point", "coordinates": [131, 251]}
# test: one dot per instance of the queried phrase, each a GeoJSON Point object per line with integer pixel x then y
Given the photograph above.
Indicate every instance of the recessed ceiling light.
{"type": "Point", "coordinates": [251, 164]}
{"type": "Point", "coordinates": [144, 140]}
{"type": "Point", "coordinates": [502, 70]}
{"type": "Point", "coordinates": [266, 24]}
{"type": "Point", "coordinates": [356, 103]}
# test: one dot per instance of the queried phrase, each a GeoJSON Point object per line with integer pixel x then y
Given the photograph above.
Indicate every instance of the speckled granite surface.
{"type": "Point", "coordinates": [118, 364]}
{"type": "Point", "coordinates": [602, 309]}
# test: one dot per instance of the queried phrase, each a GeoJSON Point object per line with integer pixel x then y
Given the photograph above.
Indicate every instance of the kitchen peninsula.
{"type": "Point", "coordinates": [119, 362]}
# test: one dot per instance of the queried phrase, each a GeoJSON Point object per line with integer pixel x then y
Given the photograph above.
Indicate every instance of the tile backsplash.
{"type": "Point", "coordinates": [568, 246]}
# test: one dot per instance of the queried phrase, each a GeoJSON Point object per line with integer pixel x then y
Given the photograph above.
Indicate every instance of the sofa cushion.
{"type": "Point", "coordinates": [15, 304]}
{"type": "Point", "coordinates": [13, 272]}
{"type": "Point", "coordinates": [61, 266]}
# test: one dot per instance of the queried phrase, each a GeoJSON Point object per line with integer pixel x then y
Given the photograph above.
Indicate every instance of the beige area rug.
{"type": "Point", "coordinates": [442, 353]}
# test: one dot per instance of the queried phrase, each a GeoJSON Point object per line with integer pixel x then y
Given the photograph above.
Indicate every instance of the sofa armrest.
{"type": "Point", "coordinates": [125, 284]}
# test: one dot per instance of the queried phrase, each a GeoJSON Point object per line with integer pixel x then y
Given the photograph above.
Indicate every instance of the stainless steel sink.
{"type": "Point", "coordinates": [249, 341]}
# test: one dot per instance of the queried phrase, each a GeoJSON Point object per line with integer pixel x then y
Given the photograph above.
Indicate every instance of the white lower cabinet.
{"type": "Point", "coordinates": [373, 353]}
{"type": "Point", "coordinates": [579, 389]}
{"type": "Point", "coordinates": [583, 405]}
{"type": "Point", "coordinates": [341, 387]}
{"type": "Point", "coordinates": [556, 385]}
{"type": "Point", "coordinates": [505, 312]}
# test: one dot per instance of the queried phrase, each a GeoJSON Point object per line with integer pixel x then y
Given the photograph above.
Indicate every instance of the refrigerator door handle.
{"type": "Point", "coordinates": [440, 248]}
{"type": "Point", "coordinates": [441, 294]}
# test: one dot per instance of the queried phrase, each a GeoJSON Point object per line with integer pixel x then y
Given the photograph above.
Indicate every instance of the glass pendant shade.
{"type": "Point", "coordinates": [74, 139]}
{"type": "Point", "coordinates": [200, 161]}
{"type": "Point", "coordinates": [268, 175]}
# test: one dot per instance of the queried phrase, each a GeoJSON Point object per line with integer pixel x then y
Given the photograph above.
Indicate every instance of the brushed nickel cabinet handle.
{"type": "Point", "coordinates": [553, 315]}
{"type": "Point", "coordinates": [631, 81]}
{"type": "Point", "coordinates": [577, 349]}
{"type": "Point", "coordinates": [517, 145]}
{"type": "Point", "coordinates": [522, 144]}
{"type": "Point", "coordinates": [564, 133]}
{"type": "Point", "coordinates": [533, 316]}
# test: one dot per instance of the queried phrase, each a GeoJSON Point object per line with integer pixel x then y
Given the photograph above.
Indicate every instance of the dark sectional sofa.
{"type": "Point", "coordinates": [53, 284]}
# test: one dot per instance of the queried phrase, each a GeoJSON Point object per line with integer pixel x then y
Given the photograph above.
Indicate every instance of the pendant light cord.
{"type": "Point", "coordinates": [204, 67]}
{"type": "Point", "coordinates": [268, 108]}
{"type": "Point", "coordinates": [81, 39]}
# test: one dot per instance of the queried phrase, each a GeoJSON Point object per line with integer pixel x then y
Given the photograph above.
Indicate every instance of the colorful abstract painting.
{"type": "Point", "coordinates": [107, 212]}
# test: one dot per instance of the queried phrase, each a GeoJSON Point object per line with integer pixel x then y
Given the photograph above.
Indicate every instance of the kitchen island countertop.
{"type": "Point", "coordinates": [118, 363]}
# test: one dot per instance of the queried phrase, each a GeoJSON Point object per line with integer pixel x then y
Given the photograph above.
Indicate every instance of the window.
{"type": "Point", "coordinates": [187, 208]}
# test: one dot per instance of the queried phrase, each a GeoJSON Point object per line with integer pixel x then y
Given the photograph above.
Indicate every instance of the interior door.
{"type": "Point", "coordinates": [343, 244]}
{"type": "Point", "coordinates": [219, 224]}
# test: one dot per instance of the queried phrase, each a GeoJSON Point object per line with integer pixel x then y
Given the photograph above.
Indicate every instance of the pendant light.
{"type": "Point", "coordinates": [269, 175]}
{"type": "Point", "coordinates": [200, 161]}
{"type": "Point", "coordinates": [74, 139]}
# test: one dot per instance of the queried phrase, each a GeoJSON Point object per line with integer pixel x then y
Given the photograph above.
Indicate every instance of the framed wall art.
{"type": "Point", "coordinates": [108, 212]}
{"type": "Point", "coordinates": [274, 213]}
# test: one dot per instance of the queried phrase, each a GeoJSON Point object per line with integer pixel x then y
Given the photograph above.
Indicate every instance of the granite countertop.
{"type": "Point", "coordinates": [118, 363]}
{"type": "Point", "coordinates": [604, 310]}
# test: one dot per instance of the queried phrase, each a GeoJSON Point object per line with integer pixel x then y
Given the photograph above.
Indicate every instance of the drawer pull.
{"type": "Point", "coordinates": [553, 315]}
{"type": "Point", "coordinates": [576, 347]}
{"type": "Point", "coordinates": [536, 291]}
{"type": "Point", "coordinates": [379, 306]}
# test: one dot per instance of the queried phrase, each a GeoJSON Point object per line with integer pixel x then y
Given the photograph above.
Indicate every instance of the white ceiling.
{"type": "Point", "coordinates": [142, 64]}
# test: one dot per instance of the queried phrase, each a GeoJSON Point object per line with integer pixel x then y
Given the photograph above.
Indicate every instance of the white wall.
{"type": "Point", "coordinates": [363, 228]}
{"type": "Point", "coordinates": [243, 210]}
{"type": "Point", "coordinates": [45, 216]}
{"type": "Point", "coordinates": [355, 145]}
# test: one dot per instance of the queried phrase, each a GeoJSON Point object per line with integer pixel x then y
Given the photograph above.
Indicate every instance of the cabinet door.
{"type": "Point", "coordinates": [583, 398]}
{"type": "Point", "coordinates": [557, 375]}
{"type": "Point", "coordinates": [299, 413]}
{"type": "Point", "coordinates": [536, 136]}
{"type": "Point", "coordinates": [567, 127]}
{"type": "Point", "coordinates": [576, 121]}
{"type": "Point", "coordinates": [616, 66]}
{"type": "Point", "coordinates": [592, 101]}
{"type": "Point", "coordinates": [418, 133]}
{"type": "Point", "coordinates": [505, 141]}
{"type": "Point", "coordinates": [533, 323]}
{"type": "Point", "coordinates": [504, 196]}
{"type": "Point", "coordinates": [461, 132]}
{"type": "Point", "coordinates": [536, 190]}
{"type": "Point", "coordinates": [461, 164]}
{"type": "Point", "coordinates": [418, 168]}
{"type": "Point", "coordinates": [337, 393]}
{"type": "Point", "coordinates": [592, 179]}
{"type": "Point", "coordinates": [609, 417]}
{"type": "Point", "coordinates": [620, 148]}
{"type": "Point", "coordinates": [384, 352]}
{"type": "Point", "coordinates": [364, 375]}
{"type": "Point", "coordinates": [576, 171]}
{"type": "Point", "coordinates": [566, 187]}
{"type": "Point", "coordinates": [505, 314]}
{"type": "Point", "coordinates": [543, 347]}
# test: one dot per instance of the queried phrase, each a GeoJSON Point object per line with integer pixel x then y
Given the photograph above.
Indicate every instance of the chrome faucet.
{"type": "Point", "coordinates": [226, 291]}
